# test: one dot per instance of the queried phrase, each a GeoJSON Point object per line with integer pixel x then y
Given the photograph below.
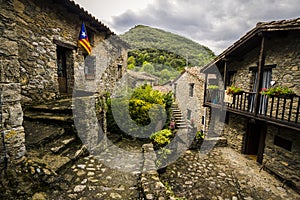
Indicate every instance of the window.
{"type": "Point", "coordinates": [175, 88]}
{"type": "Point", "coordinates": [191, 89]}
{"type": "Point", "coordinates": [119, 70]}
{"type": "Point", "coordinates": [266, 79]}
{"type": "Point", "coordinates": [189, 114]}
{"type": "Point", "coordinates": [283, 143]}
{"type": "Point", "coordinates": [230, 78]}
{"type": "Point", "coordinates": [90, 34]}
{"type": "Point", "coordinates": [90, 67]}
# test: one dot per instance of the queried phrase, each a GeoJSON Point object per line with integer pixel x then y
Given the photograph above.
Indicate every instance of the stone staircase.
{"type": "Point", "coordinates": [179, 119]}
{"type": "Point", "coordinates": [51, 138]}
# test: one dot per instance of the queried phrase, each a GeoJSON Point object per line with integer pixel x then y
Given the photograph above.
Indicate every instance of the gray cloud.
{"type": "Point", "coordinates": [216, 24]}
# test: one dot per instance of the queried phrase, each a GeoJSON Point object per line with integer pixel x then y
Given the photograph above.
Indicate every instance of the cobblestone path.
{"type": "Point", "coordinates": [222, 174]}
{"type": "Point", "coordinates": [93, 178]}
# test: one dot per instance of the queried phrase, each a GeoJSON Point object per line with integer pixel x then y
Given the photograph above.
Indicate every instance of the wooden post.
{"type": "Point", "coordinates": [225, 73]}
{"type": "Point", "coordinates": [205, 87]}
{"type": "Point", "coordinates": [261, 64]}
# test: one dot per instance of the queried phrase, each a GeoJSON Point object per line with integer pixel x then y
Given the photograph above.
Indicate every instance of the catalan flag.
{"type": "Point", "coordinates": [84, 40]}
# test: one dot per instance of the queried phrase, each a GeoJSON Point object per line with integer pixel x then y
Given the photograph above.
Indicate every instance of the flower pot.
{"type": "Point", "coordinates": [287, 96]}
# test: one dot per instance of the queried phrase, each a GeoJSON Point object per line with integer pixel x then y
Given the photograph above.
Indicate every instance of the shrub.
{"type": "Point", "coordinates": [161, 138]}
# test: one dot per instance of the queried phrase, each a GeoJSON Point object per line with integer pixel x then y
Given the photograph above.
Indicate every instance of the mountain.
{"type": "Point", "coordinates": [144, 37]}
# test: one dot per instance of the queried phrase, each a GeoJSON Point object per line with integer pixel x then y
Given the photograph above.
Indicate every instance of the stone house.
{"type": "Point", "coordinates": [188, 92]}
{"type": "Point", "coordinates": [41, 60]}
{"type": "Point", "coordinates": [136, 79]}
{"type": "Point", "coordinates": [265, 127]}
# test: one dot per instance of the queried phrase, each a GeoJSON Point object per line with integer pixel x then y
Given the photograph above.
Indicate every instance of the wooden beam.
{"type": "Point", "coordinates": [63, 44]}
{"type": "Point", "coordinates": [261, 64]}
{"type": "Point", "coordinates": [225, 74]}
{"type": "Point", "coordinates": [205, 88]}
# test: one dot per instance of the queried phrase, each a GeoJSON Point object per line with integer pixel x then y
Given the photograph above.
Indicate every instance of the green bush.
{"type": "Point", "coordinates": [144, 105]}
{"type": "Point", "coordinates": [161, 138]}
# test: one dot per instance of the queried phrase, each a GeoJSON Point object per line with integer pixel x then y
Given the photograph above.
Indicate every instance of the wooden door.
{"type": "Point", "coordinates": [254, 143]}
{"type": "Point", "coordinates": [62, 70]}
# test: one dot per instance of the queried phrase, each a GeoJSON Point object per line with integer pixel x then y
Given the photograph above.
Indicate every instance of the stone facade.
{"type": "Point", "coordinates": [41, 61]}
{"type": "Point", "coordinates": [12, 138]}
{"type": "Point", "coordinates": [188, 90]}
{"type": "Point", "coordinates": [285, 162]}
{"type": "Point", "coordinates": [136, 79]}
{"type": "Point", "coordinates": [39, 30]}
{"type": "Point", "coordinates": [277, 145]}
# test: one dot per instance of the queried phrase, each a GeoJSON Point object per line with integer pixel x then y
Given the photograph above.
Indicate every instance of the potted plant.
{"type": "Point", "coordinates": [233, 90]}
{"type": "Point", "coordinates": [213, 87]}
{"type": "Point", "coordinates": [213, 92]}
{"type": "Point", "coordinates": [278, 91]}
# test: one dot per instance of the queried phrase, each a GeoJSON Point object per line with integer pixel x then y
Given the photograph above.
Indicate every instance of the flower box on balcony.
{"type": "Point", "coordinates": [279, 91]}
{"type": "Point", "coordinates": [233, 90]}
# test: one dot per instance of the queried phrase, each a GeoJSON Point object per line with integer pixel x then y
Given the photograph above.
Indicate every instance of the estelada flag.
{"type": "Point", "coordinates": [84, 40]}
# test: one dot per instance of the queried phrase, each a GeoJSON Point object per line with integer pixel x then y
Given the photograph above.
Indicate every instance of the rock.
{"type": "Point", "coordinates": [115, 196]}
{"type": "Point", "coordinates": [39, 196]}
{"type": "Point", "coordinates": [79, 188]}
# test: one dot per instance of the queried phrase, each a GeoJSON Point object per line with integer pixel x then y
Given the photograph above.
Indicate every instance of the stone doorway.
{"type": "Point", "coordinates": [254, 140]}
{"type": "Point", "coordinates": [65, 69]}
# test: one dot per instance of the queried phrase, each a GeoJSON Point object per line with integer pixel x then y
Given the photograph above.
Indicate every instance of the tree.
{"type": "Point", "coordinates": [147, 67]}
{"type": "Point", "coordinates": [131, 60]}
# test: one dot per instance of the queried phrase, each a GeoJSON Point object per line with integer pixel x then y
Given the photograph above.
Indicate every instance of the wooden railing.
{"type": "Point", "coordinates": [282, 109]}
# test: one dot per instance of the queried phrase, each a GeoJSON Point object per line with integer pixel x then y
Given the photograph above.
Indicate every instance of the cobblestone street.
{"type": "Point", "coordinates": [221, 174]}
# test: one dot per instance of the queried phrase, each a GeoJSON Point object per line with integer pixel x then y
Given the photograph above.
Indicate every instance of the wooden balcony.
{"type": "Point", "coordinates": [281, 110]}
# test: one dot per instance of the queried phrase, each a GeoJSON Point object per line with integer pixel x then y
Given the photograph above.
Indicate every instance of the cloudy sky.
{"type": "Point", "coordinates": [214, 23]}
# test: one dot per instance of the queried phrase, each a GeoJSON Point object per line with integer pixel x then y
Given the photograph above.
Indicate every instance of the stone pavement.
{"type": "Point", "coordinates": [222, 174]}
{"type": "Point", "coordinates": [99, 177]}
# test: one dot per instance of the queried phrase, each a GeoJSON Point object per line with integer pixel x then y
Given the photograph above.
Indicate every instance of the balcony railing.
{"type": "Point", "coordinates": [282, 109]}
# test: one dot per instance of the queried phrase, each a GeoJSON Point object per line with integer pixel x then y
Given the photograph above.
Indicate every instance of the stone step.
{"type": "Point", "coordinates": [48, 117]}
{"type": "Point", "coordinates": [177, 114]}
{"type": "Point", "coordinates": [61, 143]}
{"type": "Point", "coordinates": [56, 162]}
{"type": "Point", "coordinates": [179, 118]}
{"type": "Point", "coordinates": [176, 111]}
{"type": "Point", "coordinates": [37, 133]}
{"type": "Point", "coordinates": [59, 106]}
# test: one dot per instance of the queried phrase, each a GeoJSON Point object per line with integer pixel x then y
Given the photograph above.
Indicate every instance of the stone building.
{"type": "Point", "coordinates": [265, 127]}
{"type": "Point", "coordinates": [41, 60]}
{"type": "Point", "coordinates": [136, 79]}
{"type": "Point", "coordinates": [188, 92]}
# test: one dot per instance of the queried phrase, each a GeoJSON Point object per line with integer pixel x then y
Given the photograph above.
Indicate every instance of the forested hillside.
{"type": "Point", "coordinates": [162, 53]}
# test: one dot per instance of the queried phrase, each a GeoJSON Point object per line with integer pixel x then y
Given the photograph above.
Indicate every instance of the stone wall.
{"type": "Point", "coordinates": [234, 131]}
{"type": "Point", "coordinates": [31, 33]}
{"type": "Point", "coordinates": [283, 162]}
{"type": "Point", "coordinates": [12, 137]}
{"type": "Point", "coordinates": [151, 185]}
{"type": "Point", "coordinates": [187, 102]}
{"type": "Point", "coordinates": [38, 25]}
{"type": "Point", "coordinates": [281, 51]}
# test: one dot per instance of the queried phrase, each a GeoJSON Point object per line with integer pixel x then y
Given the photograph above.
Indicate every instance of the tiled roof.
{"type": "Point", "coordinates": [142, 75]}
{"type": "Point", "coordinates": [292, 24]}
{"type": "Point", "coordinates": [164, 89]}
{"type": "Point", "coordinates": [281, 23]}
{"type": "Point", "coordinates": [76, 8]}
